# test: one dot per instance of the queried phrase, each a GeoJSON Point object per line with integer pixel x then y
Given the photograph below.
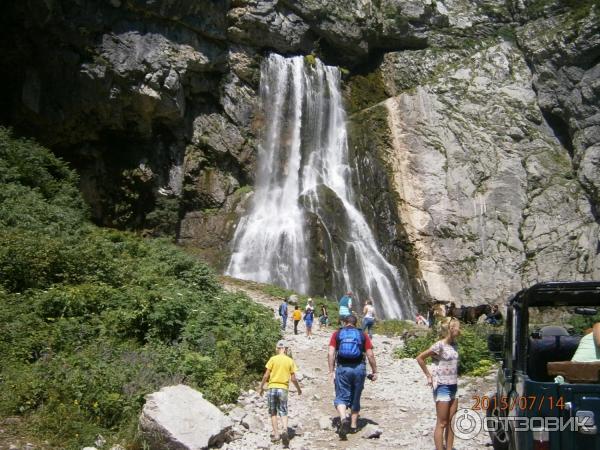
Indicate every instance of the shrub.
{"type": "Point", "coordinates": [475, 359]}
{"type": "Point", "coordinates": [92, 320]}
{"type": "Point", "coordinates": [394, 327]}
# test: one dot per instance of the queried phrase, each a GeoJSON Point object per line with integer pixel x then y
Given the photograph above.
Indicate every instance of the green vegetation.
{"type": "Point", "coordinates": [93, 319]}
{"type": "Point", "coordinates": [581, 323]}
{"type": "Point", "coordinates": [163, 220]}
{"type": "Point", "coordinates": [243, 190]}
{"type": "Point", "coordinates": [311, 59]}
{"type": "Point", "coordinates": [475, 359]}
{"type": "Point", "coordinates": [394, 327]}
{"type": "Point", "coordinates": [577, 8]}
{"type": "Point", "coordinates": [364, 91]}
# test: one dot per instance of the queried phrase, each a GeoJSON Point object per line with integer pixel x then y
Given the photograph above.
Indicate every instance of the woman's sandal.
{"type": "Point", "coordinates": [275, 438]}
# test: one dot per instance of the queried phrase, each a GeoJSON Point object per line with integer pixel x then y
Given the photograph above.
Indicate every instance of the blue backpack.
{"type": "Point", "coordinates": [350, 345]}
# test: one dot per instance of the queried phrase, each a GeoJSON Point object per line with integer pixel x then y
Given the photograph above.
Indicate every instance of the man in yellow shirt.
{"type": "Point", "coordinates": [280, 369]}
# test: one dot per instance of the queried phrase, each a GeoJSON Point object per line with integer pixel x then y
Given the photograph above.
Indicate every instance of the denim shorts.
{"type": "Point", "coordinates": [445, 392]}
{"type": "Point", "coordinates": [277, 400]}
{"type": "Point", "coordinates": [349, 384]}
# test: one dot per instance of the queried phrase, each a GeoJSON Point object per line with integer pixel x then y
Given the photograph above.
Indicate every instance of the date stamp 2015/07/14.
{"type": "Point", "coordinates": [523, 403]}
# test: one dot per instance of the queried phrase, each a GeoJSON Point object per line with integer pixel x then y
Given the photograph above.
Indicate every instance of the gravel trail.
{"type": "Point", "coordinates": [399, 403]}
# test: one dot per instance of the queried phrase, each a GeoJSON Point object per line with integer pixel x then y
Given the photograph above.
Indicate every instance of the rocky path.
{"type": "Point", "coordinates": [399, 404]}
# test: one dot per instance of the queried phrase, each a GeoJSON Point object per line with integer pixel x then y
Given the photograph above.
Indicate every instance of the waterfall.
{"type": "Point", "coordinates": [304, 183]}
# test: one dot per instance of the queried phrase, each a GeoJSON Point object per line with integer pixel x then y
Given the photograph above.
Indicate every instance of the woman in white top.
{"type": "Point", "coordinates": [368, 317]}
{"type": "Point", "coordinates": [443, 380]}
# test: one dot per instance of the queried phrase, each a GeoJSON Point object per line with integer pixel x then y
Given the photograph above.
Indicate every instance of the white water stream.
{"type": "Point", "coordinates": [303, 173]}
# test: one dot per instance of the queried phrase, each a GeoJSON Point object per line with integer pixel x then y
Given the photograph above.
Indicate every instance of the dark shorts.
{"type": "Point", "coordinates": [349, 384]}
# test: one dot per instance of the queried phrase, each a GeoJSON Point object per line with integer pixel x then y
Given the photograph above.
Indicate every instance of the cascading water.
{"type": "Point", "coordinates": [304, 178]}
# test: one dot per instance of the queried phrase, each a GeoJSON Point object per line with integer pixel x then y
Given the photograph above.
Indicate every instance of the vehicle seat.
{"type": "Point", "coordinates": [549, 348]}
{"type": "Point", "coordinates": [553, 330]}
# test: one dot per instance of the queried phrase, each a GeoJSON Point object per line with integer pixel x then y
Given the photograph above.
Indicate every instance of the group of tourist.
{"type": "Point", "coordinates": [308, 315]}
{"type": "Point", "coordinates": [350, 348]}
{"type": "Point", "coordinates": [297, 315]}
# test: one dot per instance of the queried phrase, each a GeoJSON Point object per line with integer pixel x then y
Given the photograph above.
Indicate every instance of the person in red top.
{"type": "Point", "coordinates": [348, 347]}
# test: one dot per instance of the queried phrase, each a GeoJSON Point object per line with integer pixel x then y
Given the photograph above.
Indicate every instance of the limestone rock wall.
{"type": "Point", "coordinates": [488, 196]}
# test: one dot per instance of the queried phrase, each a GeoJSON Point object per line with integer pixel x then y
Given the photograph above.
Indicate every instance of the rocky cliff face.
{"type": "Point", "coordinates": [475, 124]}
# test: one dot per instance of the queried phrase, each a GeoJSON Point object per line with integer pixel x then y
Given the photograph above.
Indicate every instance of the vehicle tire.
{"type": "Point", "coordinates": [500, 438]}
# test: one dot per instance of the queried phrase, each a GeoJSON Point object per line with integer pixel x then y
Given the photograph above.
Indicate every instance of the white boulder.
{"type": "Point", "coordinates": [179, 418]}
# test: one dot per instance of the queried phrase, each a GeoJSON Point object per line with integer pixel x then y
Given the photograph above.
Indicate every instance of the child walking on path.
{"type": "Point", "coordinates": [280, 369]}
{"type": "Point", "coordinates": [297, 316]}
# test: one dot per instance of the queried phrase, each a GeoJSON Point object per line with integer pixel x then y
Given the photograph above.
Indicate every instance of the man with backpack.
{"type": "Point", "coordinates": [283, 313]}
{"type": "Point", "coordinates": [348, 347]}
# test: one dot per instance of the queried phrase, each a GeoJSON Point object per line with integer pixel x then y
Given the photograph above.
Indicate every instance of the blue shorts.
{"type": "Point", "coordinates": [349, 384]}
{"type": "Point", "coordinates": [308, 323]}
{"type": "Point", "coordinates": [444, 392]}
{"type": "Point", "coordinates": [277, 400]}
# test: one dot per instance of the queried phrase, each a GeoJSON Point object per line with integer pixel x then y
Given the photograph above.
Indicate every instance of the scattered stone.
{"type": "Point", "coordinates": [252, 422]}
{"type": "Point", "coordinates": [100, 441]}
{"type": "Point", "coordinates": [371, 432]}
{"type": "Point", "coordinates": [227, 407]}
{"type": "Point", "coordinates": [237, 414]}
{"type": "Point", "coordinates": [179, 417]}
{"type": "Point", "coordinates": [325, 423]}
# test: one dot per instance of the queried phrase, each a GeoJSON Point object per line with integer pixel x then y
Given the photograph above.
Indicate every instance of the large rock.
{"type": "Point", "coordinates": [179, 418]}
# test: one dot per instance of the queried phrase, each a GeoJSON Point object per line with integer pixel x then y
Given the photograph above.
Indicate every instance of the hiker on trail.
{"type": "Point", "coordinates": [443, 380]}
{"type": "Point", "coordinates": [309, 316]}
{"type": "Point", "coordinates": [323, 317]}
{"type": "Point", "coordinates": [280, 369]}
{"type": "Point", "coordinates": [296, 315]}
{"type": "Point", "coordinates": [348, 347]}
{"type": "Point", "coordinates": [368, 317]}
{"type": "Point", "coordinates": [345, 304]}
{"type": "Point", "coordinates": [283, 313]}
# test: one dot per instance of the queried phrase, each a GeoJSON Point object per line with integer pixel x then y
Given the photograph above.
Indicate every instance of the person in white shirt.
{"type": "Point", "coordinates": [368, 318]}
